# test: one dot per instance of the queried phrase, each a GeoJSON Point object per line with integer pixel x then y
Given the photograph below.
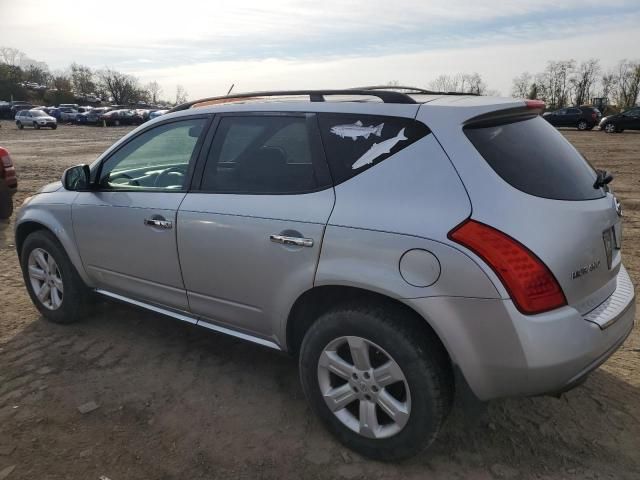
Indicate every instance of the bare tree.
{"type": "Point", "coordinates": [154, 90]}
{"type": "Point", "coordinates": [11, 56]}
{"type": "Point", "coordinates": [460, 82]}
{"type": "Point", "coordinates": [607, 85]}
{"type": "Point", "coordinates": [553, 84]}
{"type": "Point", "coordinates": [120, 87]}
{"type": "Point", "coordinates": [181, 95]}
{"type": "Point", "coordinates": [82, 79]}
{"type": "Point", "coordinates": [583, 80]}
{"type": "Point", "coordinates": [626, 83]}
{"type": "Point", "coordinates": [522, 85]}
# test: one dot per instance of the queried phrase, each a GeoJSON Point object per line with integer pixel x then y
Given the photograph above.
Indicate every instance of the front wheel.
{"type": "Point", "coordinates": [52, 281]}
{"type": "Point", "coordinates": [610, 128]}
{"type": "Point", "coordinates": [582, 125]}
{"type": "Point", "coordinates": [382, 387]}
{"type": "Point", "coordinates": [53, 127]}
{"type": "Point", "coordinates": [19, 125]}
{"type": "Point", "coordinates": [36, 126]}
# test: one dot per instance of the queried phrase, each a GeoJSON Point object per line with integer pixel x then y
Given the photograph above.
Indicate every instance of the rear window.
{"type": "Point", "coordinates": [532, 156]}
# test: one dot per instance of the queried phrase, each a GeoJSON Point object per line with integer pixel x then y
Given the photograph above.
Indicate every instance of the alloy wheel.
{"type": "Point", "coordinates": [582, 125]}
{"type": "Point", "coordinates": [45, 278]}
{"type": "Point", "coordinates": [610, 128]}
{"type": "Point", "coordinates": [364, 387]}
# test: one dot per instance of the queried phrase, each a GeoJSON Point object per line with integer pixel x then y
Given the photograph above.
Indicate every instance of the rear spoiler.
{"type": "Point", "coordinates": [530, 109]}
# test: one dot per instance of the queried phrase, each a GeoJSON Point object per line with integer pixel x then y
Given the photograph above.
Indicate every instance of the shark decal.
{"type": "Point", "coordinates": [378, 149]}
{"type": "Point", "coordinates": [355, 130]}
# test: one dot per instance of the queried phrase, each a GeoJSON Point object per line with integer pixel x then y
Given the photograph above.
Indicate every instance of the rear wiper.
{"type": "Point", "coordinates": [604, 178]}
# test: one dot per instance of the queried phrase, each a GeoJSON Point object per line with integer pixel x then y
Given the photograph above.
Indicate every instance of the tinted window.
{"type": "Point", "coordinates": [355, 143]}
{"type": "Point", "coordinates": [574, 111]}
{"type": "Point", "coordinates": [262, 154]}
{"type": "Point", "coordinates": [156, 159]}
{"type": "Point", "coordinates": [534, 157]}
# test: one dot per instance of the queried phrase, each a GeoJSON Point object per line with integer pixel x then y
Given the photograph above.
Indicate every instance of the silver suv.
{"type": "Point", "coordinates": [398, 243]}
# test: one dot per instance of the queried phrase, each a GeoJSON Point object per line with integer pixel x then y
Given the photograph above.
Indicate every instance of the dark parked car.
{"type": "Point", "coordinates": [582, 118]}
{"type": "Point", "coordinates": [92, 117]}
{"type": "Point", "coordinates": [628, 120]}
{"type": "Point", "coordinates": [8, 184]}
{"type": "Point", "coordinates": [120, 117]}
{"type": "Point", "coordinates": [17, 106]}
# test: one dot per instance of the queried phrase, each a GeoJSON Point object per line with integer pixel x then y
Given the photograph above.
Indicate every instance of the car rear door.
{"type": "Point", "coordinates": [125, 227]}
{"type": "Point", "coordinates": [249, 234]}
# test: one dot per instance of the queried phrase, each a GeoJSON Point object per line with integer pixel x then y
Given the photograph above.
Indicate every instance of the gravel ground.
{"type": "Point", "coordinates": [176, 401]}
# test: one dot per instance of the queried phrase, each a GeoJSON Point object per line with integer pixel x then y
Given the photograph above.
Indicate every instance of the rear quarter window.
{"type": "Point", "coordinates": [532, 156]}
{"type": "Point", "coordinates": [354, 143]}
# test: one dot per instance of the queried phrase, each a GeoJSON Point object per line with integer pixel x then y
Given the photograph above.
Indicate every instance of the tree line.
{"type": "Point", "coordinates": [565, 82]}
{"type": "Point", "coordinates": [17, 71]}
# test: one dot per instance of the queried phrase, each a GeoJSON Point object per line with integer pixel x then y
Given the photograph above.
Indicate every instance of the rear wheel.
{"type": "Point", "coordinates": [117, 123]}
{"type": "Point", "coordinates": [380, 386]}
{"type": "Point", "coordinates": [582, 125]}
{"type": "Point", "coordinates": [52, 281]}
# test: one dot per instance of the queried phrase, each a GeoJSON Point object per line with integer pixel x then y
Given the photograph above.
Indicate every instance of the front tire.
{"type": "Point", "coordinates": [582, 125]}
{"type": "Point", "coordinates": [381, 386]}
{"type": "Point", "coordinates": [52, 281]}
{"type": "Point", "coordinates": [53, 127]}
{"type": "Point", "coordinates": [19, 125]}
{"type": "Point", "coordinates": [610, 128]}
{"type": "Point", "coordinates": [36, 126]}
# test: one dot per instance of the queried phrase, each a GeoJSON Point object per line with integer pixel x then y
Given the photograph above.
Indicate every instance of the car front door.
{"type": "Point", "coordinates": [125, 226]}
{"type": "Point", "coordinates": [249, 239]}
{"type": "Point", "coordinates": [632, 119]}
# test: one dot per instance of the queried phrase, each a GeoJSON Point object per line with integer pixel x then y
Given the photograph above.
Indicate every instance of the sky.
{"type": "Point", "coordinates": [282, 44]}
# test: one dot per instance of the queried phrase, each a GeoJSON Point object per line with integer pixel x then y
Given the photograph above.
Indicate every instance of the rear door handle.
{"type": "Point", "coordinates": [297, 241]}
{"type": "Point", "coordinates": [159, 223]}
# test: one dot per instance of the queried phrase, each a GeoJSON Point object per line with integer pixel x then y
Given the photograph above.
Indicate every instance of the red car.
{"type": "Point", "coordinates": [8, 183]}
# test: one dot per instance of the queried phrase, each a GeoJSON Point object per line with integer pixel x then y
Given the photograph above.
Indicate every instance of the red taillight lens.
{"type": "Point", "coordinates": [531, 285]}
{"type": "Point", "coordinates": [534, 103]}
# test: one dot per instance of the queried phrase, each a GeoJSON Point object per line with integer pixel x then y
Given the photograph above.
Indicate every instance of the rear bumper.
{"type": "Point", "coordinates": [503, 353]}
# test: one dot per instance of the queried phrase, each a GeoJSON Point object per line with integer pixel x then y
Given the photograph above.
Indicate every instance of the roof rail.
{"type": "Point", "coordinates": [414, 90]}
{"type": "Point", "coordinates": [386, 96]}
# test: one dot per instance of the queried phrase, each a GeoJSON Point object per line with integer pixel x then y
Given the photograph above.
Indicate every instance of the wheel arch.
{"type": "Point", "coordinates": [311, 304]}
{"type": "Point", "coordinates": [27, 226]}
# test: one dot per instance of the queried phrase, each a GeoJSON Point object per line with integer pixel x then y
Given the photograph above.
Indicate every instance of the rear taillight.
{"type": "Point", "coordinates": [531, 285]}
{"type": "Point", "coordinates": [534, 103]}
{"type": "Point", "coordinates": [7, 170]}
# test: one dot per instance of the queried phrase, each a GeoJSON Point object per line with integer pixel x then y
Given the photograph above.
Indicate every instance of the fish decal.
{"type": "Point", "coordinates": [355, 130]}
{"type": "Point", "coordinates": [378, 149]}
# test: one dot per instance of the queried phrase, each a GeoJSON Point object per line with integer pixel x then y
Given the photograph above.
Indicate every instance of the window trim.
{"type": "Point", "coordinates": [318, 158]}
{"type": "Point", "coordinates": [195, 155]}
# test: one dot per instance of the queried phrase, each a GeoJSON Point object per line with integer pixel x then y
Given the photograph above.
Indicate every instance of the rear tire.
{"type": "Point", "coordinates": [53, 127]}
{"type": "Point", "coordinates": [582, 125]}
{"type": "Point", "coordinates": [19, 125]}
{"type": "Point", "coordinates": [52, 281]}
{"type": "Point", "coordinates": [422, 397]}
{"type": "Point", "coordinates": [36, 126]}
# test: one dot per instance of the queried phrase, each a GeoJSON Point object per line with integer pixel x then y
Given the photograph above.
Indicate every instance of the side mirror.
{"type": "Point", "coordinates": [76, 178]}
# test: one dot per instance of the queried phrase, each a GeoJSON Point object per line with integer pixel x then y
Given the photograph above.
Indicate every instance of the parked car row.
{"type": "Point", "coordinates": [586, 118]}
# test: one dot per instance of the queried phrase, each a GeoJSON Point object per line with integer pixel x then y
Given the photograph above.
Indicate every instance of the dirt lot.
{"type": "Point", "coordinates": [179, 402]}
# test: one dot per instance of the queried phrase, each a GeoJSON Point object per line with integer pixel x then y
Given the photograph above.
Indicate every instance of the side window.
{"type": "Point", "coordinates": [263, 154]}
{"type": "Point", "coordinates": [158, 159]}
{"type": "Point", "coordinates": [355, 143]}
{"type": "Point", "coordinates": [575, 111]}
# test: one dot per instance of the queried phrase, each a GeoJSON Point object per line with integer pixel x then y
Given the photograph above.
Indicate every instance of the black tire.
{"type": "Point", "coordinates": [6, 204]}
{"type": "Point", "coordinates": [76, 298]}
{"type": "Point", "coordinates": [421, 358]}
{"type": "Point", "coordinates": [116, 123]}
{"type": "Point", "coordinates": [53, 127]}
{"type": "Point", "coordinates": [19, 125]}
{"type": "Point", "coordinates": [582, 125]}
{"type": "Point", "coordinates": [610, 128]}
{"type": "Point", "coordinates": [36, 126]}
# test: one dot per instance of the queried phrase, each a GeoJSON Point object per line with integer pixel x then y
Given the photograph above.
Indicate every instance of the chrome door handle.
{"type": "Point", "coordinates": [297, 241]}
{"type": "Point", "coordinates": [154, 222]}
